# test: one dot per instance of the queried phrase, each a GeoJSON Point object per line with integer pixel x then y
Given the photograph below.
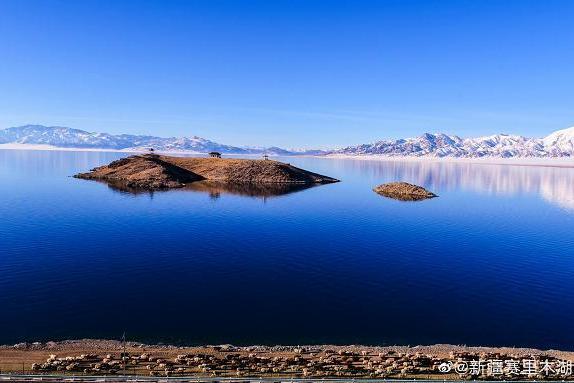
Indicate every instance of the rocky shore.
{"type": "Point", "coordinates": [151, 171]}
{"type": "Point", "coordinates": [101, 357]}
{"type": "Point", "coordinates": [404, 191]}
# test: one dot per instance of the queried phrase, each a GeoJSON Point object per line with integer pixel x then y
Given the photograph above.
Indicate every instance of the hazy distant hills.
{"type": "Point", "coordinates": [74, 138]}
{"type": "Point", "coordinates": [557, 144]}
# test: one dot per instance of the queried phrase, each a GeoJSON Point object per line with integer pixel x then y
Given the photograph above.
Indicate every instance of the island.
{"type": "Point", "coordinates": [153, 172]}
{"type": "Point", "coordinates": [403, 191]}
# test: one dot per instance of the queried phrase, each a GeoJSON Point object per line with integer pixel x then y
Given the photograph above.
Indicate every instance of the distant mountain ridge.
{"type": "Point", "coordinates": [63, 137]}
{"type": "Point", "coordinates": [557, 144]}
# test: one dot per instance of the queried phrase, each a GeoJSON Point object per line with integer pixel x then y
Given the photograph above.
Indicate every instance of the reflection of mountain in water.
{"type": "Point", "coordinates": [216, 189]}
{"type": "Point", "coordinates": [560, 193]}
{"type": "Point", "coordinates": [553, 183]}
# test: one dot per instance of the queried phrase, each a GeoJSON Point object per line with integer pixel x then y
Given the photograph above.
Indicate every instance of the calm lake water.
{"type": "Point", "coordinates": [489, 262]}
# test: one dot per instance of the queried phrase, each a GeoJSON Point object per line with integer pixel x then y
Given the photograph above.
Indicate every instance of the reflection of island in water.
{"type": "Point", "coordinates": [215, 189]}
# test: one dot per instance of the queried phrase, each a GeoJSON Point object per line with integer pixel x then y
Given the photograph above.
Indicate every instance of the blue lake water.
{"type": "Point", "coordinates": [489, 262]}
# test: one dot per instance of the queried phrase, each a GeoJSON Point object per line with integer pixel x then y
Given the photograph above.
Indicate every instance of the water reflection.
{"type": "Point", "coordinates": [340, 256]}
{"type": "Point", "coordinates": [554, 184]}
{"type": "Point", "coordinates": [215, 189]}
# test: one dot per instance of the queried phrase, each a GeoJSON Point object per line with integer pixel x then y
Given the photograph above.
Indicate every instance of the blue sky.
{"type": "Point", "coordinates": [297, 73]}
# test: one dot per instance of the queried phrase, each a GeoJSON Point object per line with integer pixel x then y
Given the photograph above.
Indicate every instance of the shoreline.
{"type": "Point", "coordinates": [104, 344]}
{"type": "Point", "coordinates": [104, 357]}
{"type": "Point", "coordinates": [558, 162]}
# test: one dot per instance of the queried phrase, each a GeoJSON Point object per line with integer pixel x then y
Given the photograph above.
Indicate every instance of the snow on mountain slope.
{"type": "Point", "coordinates": [557, 144]}
{"type": "Point", "coordinates": [560, 143]}
{"type": "Point", "coordinates": [503, 145]}
{"type": "Point", "coordinates": [75, 138]}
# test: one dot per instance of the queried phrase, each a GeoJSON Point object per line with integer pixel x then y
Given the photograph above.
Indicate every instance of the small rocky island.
{"type": "Point", "coordinates": [153, 172]}
{"type": "Point", "coordinates": [404, 191]}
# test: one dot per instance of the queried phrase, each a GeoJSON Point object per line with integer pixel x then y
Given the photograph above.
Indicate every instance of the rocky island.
{"type": "Point", "coordinates": [152, 172]}
{"type": "Point", "coordinates": [404, 191]}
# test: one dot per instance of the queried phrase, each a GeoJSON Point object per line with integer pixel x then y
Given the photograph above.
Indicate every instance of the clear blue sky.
{"type": "Point", "coordinates": [294, 73]}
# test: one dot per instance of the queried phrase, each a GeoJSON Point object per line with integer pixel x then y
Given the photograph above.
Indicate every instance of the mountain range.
{"type": "Point", "coordinates": [557, 144]}
{"type": "Point", "coordinates": [63, 137]}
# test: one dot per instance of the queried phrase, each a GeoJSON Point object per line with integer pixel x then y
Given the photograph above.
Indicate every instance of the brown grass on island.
{"type": "Point", "coordinates": [151, 171]}
{"type": "Point", "coordinates": [404, 191]}
{"type": "Point", "coordinates": [102, 357]}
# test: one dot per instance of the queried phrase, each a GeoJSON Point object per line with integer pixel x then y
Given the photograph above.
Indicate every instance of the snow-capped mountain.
{"type": "Point", "coordinates": [74, 138]}
{"type": "Point", "coordinates": [557, 144]}
{"type": "Point", "coordinates": [560, 142]}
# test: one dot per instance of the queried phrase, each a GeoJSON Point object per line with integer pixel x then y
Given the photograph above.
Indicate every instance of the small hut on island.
{"type": "Point", "coordinates": [215, 154]}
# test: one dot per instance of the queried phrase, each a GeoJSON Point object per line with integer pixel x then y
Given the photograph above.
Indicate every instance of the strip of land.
{"type": "Point", "coordinates": [105, 357]}
{"type": "Point", "coordinates": [560, 162]}
{"type": "Point", "coordinates": [563, 162]}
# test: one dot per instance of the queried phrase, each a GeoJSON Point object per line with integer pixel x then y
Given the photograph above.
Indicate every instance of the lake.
{"type": "Point", "coordinates": [489, 262]}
